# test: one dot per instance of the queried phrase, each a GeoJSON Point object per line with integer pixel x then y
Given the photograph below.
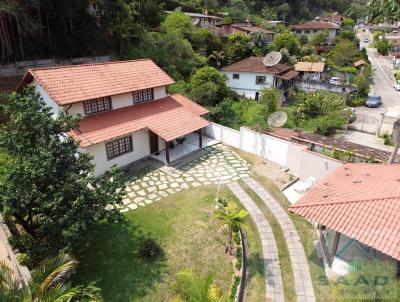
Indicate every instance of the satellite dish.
{"type": "Point", "coordinates": [195, 21]}
{"type": "Point", "coordinates": [272, 58]}
{"type": "Point", "coordinates": [277, 119]}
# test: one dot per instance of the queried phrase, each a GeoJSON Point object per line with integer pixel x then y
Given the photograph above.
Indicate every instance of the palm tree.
{"type": "Point", "coordinates": [193, 288]}
{"type": "Point", "coordinates": [233, 218]}
{"type": "Point", "coordinates": [47, 284]}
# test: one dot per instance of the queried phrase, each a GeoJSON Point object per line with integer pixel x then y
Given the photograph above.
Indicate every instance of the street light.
{"type": "Point", "coordinates": [396, 140]}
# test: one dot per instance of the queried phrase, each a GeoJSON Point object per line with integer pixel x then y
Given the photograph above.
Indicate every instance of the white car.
{"type": "Point", "coordinates": [397, 86]}
{"type": "Point", "coordinates": [334, 81]}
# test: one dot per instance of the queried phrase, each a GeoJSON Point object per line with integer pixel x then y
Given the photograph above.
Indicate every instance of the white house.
{"type": "Point", "coordinates": [127, 114]}
{"type": "Point", "coordinates": [310, 28]}
{"type": "Point", "coordinates": [203, 20]}
{"type": "Point", "coordinates": [249, 76]}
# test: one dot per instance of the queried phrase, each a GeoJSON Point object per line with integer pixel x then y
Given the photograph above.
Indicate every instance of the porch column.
{"type": "Point", "coordinates": [334, 248]}
{"type": "Point", "coordinates": [167, 151]}
{"type": "Point", "coordinates": [200, 139]}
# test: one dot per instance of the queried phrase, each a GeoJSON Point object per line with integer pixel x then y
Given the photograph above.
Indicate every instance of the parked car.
{"type": "Point", "coordinates": [352, 114]}
{"type": "Point", "coordinates": [397, 85]}
{"type": "Point", "coordinates": [366, 40]}
{"type": "Point", "coordinates": [334, 81]}
{"type": "Point", "coordinates": [373, 101]}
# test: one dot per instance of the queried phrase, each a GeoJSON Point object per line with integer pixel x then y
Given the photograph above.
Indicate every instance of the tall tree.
{"type": "Point", "coordinates": [48, 187]}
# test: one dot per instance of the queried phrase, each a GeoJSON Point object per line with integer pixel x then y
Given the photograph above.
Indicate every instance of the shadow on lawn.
{"type": "Point", "coordinates": [113, 262]}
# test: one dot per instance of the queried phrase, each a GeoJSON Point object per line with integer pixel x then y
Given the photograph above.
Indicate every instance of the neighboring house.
{"type": "Point", "coordinates": [310, 70]}
{"type": "Point", "coordinates": [357, 209]}
{"type": "Point", "coordinates": [249, 76]}
{"type": "Point", "coordinates": [127, 113]}
{"type": "Point", "coordinates": [246, 28]}
{"type": "Point", "coordinates": [203, 20]}
{"type": "Point", "coordinates": [338, 19]}
{"type": "Point", "coordinates": [313, 27]}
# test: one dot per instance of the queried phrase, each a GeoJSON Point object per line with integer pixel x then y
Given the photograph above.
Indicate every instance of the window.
{"type": "Point", "coordinates": [260, 80]}
{"type": "Point", "coordinates": [307, 31]}
{"type": "Point", "coordinates": [119, 147]}
{"type": "Point", "coordinates": [141, 96]}
{"type": "Point", "coordinates": [236, 76]}
{"type": "Point", "coordinates": [97, 105]}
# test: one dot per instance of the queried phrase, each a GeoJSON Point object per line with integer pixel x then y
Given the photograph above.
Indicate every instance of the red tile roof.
{"type": "Point", "coordinates": [361, 201]}
{"type": "Point", "coordinates": [76, 83]}
{"type": "Point", "coordinates": [170, 117]}
{"type": "Point", "coordinates": [315, 25]}
{"type": "Point", "coordinates": [255, 64]}
{"type": "Point", "coordinates": [288, 75]}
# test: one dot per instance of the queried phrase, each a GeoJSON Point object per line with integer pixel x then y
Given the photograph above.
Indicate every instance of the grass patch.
{"type": "Point", "coordinates": [306, 231]}
{"type": "Point", "coordinates": [283, 253]}
{"type": "Point", "coordinates": [190, 237]}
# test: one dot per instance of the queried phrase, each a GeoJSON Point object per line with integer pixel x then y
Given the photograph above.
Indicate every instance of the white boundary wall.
{"type": "Point", "coordinates": [301, 162]}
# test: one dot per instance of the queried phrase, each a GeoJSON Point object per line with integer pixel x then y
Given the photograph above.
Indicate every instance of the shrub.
{"type": "Point", "coordinates": [150, 249]}
{"type": "Point", "coordinates": [382, 47]}
{"type": "Point", "coordinates": [234, 288]}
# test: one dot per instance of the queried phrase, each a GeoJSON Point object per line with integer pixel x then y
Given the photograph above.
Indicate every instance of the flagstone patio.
{"type": "Point", "coordinates": [218, 163]}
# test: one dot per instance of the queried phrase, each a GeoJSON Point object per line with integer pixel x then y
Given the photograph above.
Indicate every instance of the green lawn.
{"type": "Point", "coordinates": [190, 236]}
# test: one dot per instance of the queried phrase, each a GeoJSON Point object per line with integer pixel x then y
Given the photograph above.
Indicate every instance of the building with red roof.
{"type": "Point", "coordinates": [312, 27]}
{"type": "Point", "coordinates": [127, 114]}
{"type": "Point", "coordinates": [249, 76]}
{"type": "Point", "coordinates": [247, 28]}
{"type": "Point", "coordinates": [357, 209]}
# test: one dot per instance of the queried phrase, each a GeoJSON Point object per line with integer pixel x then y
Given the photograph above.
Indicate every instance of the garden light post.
{"type": "Point", "coordinates": [218, 183]}
{"type": "Point", "coordinates": [396, 140]}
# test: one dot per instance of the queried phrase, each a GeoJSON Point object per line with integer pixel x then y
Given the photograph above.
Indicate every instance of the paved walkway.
{"type": "Point", "coordinates": [274, 285]}
{"type": "Point", "coordinates": [301, 272]}
{"type": "Point", "coordinates": [151, 185]}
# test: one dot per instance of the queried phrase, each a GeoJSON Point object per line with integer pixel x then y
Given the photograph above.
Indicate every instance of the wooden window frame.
{"type": "Point", "coordinates": [119, 146]}
{"type": "Point", "coordinates": [142, 96]}
{"type": "Point", "coordinates": [258, 80]}
{"type": "Point", "coordinates": [97, 105]}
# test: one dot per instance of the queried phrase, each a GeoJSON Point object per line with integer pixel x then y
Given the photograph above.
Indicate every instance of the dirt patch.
{"type": "Point", "coordinates": [8, 84]}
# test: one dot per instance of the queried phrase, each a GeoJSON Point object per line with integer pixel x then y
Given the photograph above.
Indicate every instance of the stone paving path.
{"type": "Point", "coordinates": [151, 185]}
{"type": "Point", "coordinates": [298, 259]}
{"type": "Point", "coordinates": [273, 277]}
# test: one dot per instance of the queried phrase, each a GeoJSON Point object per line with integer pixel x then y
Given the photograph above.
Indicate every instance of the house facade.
{"type": "Point", "coordinates": [203, 20]}
{"type": "Point", "coordinates": [310, 28]}
{"type": "Point", "coordinates": [126, 112]}
{"type": "Point", "coordinates": [357, 209]}
{"type": "Point", "coordinates": [249, 76]}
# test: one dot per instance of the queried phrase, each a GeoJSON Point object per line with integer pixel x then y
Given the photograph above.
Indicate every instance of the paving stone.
{"type": "Point", "coordinates": [132, 206]}
{"type": "Point", "coordinates": [125, 201]}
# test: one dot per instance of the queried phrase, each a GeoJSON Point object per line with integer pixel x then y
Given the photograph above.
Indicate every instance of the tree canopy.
{"type": "Point", "coordinates": [287, 40]}
{"type": "Point", "coordinates": [48, 187]}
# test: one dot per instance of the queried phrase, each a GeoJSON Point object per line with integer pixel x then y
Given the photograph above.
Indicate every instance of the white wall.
{"type": "Point", "coordinates": [246, 84]}
{"type": "Point", "coordinates": [141, 149]}
{"type": "Point", "coordinates": [224, 134]}
{"type": "Point", "coordinates": [331, 33]}
{"type": "Point", "coordinates": [118, 101]}
{"type": "Point", "coordinates": [47, 99]}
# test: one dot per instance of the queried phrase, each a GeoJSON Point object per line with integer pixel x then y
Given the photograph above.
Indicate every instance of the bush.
{"type": "Point", "coordinates": [150, 249]}
{"type": "Point", "coordinates": [382, 47]}
{"type": "Point", "coordinates": [324, 125]}
{"type": "Point", "coordinates": [234, 288]}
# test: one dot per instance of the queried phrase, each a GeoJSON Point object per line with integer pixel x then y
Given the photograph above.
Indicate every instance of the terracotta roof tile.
{"type": "Point", "coordinates": [255, 64]}
{"type": "Point", "coordinates": [76, 83]}
{"type": "Point", "coordinates": [361, 201]}
{"type": "Point", "coordinates": [169, 117]}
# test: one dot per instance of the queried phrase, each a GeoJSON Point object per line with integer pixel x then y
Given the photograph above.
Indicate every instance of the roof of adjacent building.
{"type": "Point", "coordinates": [361, 201]}
{"type": "Point", "coordinates": [170, 117]}
{"type": "Point", "coordinates": [315, 25]}
{"type": "Point", "coordinates": [77, 83]}
{"type": "Point", "coordinates": [359, 63]}
{"type": "Point", "coordinates": [309, 66]}
{"type": "Point", "coordinates": [255, 64]}
{"type": "Point", "coordinates": [195, 15]}
{"type": "Point", "coordinates": [291, 74]}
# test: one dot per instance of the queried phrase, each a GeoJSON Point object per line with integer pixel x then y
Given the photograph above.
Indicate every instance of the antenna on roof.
{"type": "Point", "coordinates": [277, 119]}
{"type": "Point", "coordinates": [272, 58]}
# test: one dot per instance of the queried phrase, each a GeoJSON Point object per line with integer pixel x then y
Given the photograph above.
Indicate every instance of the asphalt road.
{"type": "Point", "coordinates": [382, 84]}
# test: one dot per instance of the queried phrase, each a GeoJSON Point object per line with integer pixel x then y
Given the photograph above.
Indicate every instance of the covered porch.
{"type": "Point", "coordinates": [173, 150]}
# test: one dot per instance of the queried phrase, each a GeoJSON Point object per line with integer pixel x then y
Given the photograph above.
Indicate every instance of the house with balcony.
{"type": "Point", "coordinates": [310, 28]}
{"type": "Point", "coordinates": [249, 76]}
{"type": "Point", "coordinates": [246, 28]}
{"type": "Point", "coordinates": [357, 210]}
{"type": "Point", "coordinates": [203, 20]}
{"type": "Point", "coordinates": [126, 112]}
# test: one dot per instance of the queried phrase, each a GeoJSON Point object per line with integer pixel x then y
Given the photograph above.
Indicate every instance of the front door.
{"type": "Point", "coordinates": [153, 142]}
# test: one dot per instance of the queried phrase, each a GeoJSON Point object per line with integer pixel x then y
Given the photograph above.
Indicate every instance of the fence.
{"type": "Point", "coordinates": [300, 161]}
{"type": "Point", "coordinates": [311, 85]}
{"type": "Point", "coordinates": [20, 67]}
